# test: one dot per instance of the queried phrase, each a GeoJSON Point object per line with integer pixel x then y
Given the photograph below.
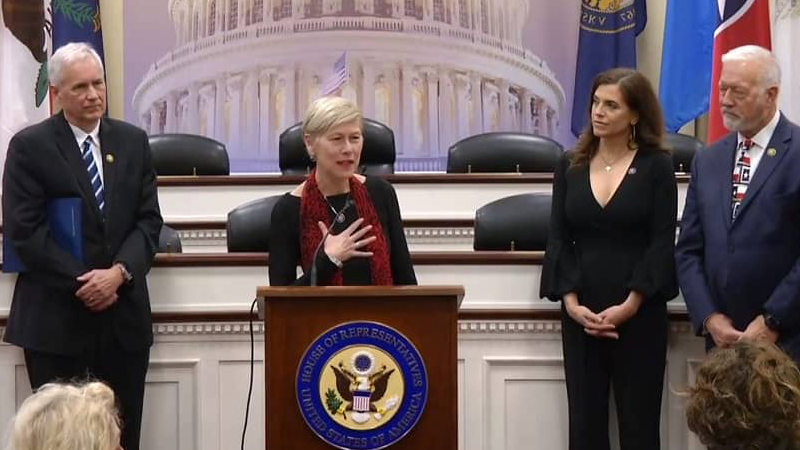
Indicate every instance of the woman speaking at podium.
{"type": "Point", "coordinates": [610, 260]}
{"type": "Point", "coordinates": [343, 228]}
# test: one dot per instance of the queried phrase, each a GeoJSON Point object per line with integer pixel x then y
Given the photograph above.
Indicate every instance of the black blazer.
{"type": "Point", "coordinates": [44, 162]}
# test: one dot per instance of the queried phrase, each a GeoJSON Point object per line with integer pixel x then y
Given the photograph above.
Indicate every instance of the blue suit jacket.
{"type": "Point", "coordinates": [751, 265]}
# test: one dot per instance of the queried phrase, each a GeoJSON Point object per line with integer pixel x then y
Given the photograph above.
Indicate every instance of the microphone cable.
{"type": "Point", "coordinates": [252, 370]}
{"type": "Point", "coordinates": [313, 282]}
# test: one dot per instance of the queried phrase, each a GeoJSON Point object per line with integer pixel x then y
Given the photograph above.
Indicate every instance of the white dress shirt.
{"type": "Point", "coordinates": [760, 143]}
{"type": "Point", "coordinates": [80, 136]}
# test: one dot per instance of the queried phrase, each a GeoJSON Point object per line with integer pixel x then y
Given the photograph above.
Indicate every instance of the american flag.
{"type": "Point", "coordinates": [338, 78]}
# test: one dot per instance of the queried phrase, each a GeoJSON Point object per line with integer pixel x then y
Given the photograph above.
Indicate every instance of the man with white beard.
{"type": "Point", "coordinates": [738, 254]}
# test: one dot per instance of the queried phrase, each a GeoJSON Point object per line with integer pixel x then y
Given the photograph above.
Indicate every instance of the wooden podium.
{"type": "Point", "coordinates": [296, 316]}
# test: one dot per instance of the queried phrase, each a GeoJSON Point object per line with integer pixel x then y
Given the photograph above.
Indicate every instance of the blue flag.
{"type": "Point", "coordinates": [77, 21]}
{"type": "Point", "coordinates": [607, 40]}
{"type": "Point", "coordinates": [687, 59]}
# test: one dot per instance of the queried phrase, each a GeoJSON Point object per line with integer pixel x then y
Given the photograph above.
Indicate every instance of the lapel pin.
{"type": "Point", "coordinates": [109, 158]}
{"type": "Point", "coordinates": [771, 151]}
{"type": "Point", "coordinates": [632, 171]}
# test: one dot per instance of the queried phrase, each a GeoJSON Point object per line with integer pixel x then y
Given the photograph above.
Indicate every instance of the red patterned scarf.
{"type": "Point", "coordinates": [314, 208]}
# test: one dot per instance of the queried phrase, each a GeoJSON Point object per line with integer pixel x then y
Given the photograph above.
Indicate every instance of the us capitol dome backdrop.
{"type": "Point", "coordinates": [435, 71]}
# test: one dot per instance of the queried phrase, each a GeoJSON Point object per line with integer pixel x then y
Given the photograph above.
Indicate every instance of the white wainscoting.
{"type": "Point", "coordinates": [232, 288]}
{"type": "Point", "coordinates": [511, 386]}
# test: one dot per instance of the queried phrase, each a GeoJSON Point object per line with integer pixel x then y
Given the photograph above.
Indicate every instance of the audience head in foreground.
{"type": "Point", "coordinates": [67, 417]}
{"type": "Point", "coordinates": [746, 397]}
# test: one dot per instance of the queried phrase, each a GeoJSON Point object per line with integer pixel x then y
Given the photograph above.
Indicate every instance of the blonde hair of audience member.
{"type": "Point", "coordinates": [67, 417]}
{"type": "Point", "coordinates": [746, 397]}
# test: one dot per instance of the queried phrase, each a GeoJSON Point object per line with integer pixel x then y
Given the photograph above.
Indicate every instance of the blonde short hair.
{"type": "Point", "coordinates": [326, 113]}
{"type": "Point", "coordinates": [67, 417]}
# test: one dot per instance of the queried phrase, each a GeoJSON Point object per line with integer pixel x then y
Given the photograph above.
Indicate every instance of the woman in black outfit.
{"type": "Point", "coordinates": [610, 260]}
{"type": "Point", "coordinates": [366, 244]}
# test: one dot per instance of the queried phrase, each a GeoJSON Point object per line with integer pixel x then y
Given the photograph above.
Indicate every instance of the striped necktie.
{"type": "Point", "coordinates": [94, 174]}
{"type": "Point", "coordinates": [741, 176]}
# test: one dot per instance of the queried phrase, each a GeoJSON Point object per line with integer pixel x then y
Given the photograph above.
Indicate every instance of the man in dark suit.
{"type": "Point", "coordinates": [738, 254]}
{"type": "Point", "coordinates": [83, 318]}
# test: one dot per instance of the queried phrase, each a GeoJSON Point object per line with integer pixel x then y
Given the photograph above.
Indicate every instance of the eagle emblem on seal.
{"type": "Point", "coordinates": [361, 387]}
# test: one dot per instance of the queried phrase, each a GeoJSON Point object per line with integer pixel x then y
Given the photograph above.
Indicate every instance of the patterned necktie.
{"type": "Point", "coordinates": [741, 176]}
{"type": "Point", "coordinates": [94, 174]}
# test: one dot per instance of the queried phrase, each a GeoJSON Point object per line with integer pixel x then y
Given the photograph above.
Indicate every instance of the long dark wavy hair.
{"type": "Point", "coordinates": [639, 96]}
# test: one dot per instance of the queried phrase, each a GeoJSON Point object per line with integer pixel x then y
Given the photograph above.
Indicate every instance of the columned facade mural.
{"type": "Point", "coordinates": [435, 71]}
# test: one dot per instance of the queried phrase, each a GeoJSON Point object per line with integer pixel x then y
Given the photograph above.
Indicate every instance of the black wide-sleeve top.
{"type": "Point", "coordinates": [602, 253]}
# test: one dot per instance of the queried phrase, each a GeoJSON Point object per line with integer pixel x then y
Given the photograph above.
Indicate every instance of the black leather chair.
{"type": "Point", "coordinates": [188, 154]}
{"type": "Point", "coordinates": [169, 241]}
{"type": "Point", "coordinates": [504, 152]}
{"type": "Point", "coordinates": [377, 156]}
{"type": "Point", "coordinates": [518, 222]}
{"type": "Point", "coordinates": [249, 225]}
{"type": "Point", "coordinates": [683, 149]}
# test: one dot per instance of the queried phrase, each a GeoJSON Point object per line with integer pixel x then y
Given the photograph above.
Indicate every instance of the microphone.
{"type": "Point", "coordinates": [312, 272]}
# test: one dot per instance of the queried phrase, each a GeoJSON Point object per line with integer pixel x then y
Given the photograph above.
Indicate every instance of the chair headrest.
{"type": "Point", "coordinates": [292, 155]}
{"type": "Point", "coordinates": [523, 219]}
{"type": "Point", "coordinates": [169, 241]}
{"type": "Point", "coordinates": [249, 225]}
{"type": "Point", "coordinates": [504, 152]}
{"type": "Point", "coordinates": [683, 150]}
{"type": "Point", "coordinates": [188, 154]}
{"type": "Point", "coordinates": [377, 156]}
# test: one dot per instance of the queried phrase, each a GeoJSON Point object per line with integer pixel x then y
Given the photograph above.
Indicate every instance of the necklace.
{"type": "Point", "coordinates": [337, 214]}
{"type": "Point", "coordinates": [608, 163]}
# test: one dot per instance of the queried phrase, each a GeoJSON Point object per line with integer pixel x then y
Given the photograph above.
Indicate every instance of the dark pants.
{"type": "Point", "coordinates": [123, 371]}
{"type": "Point", "coordinates": [634, 365]}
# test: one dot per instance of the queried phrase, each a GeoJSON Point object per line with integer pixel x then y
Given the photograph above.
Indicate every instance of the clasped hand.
{"type": "Point", "coordinates": [349, 242]}
{"type": "Point", "coordinates": [722, 330]}
{"type": "Point", "coordinates": [99, 290]}
{"type": "Point", "coordinates": [603, 324]}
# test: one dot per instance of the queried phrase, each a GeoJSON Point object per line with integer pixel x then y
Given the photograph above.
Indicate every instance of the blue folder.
{"type": "Point", "coordinates": [64, 218]}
